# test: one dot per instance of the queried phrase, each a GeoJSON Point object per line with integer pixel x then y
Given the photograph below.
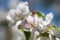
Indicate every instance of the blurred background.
{"type": "Point", "coordinates": [44, 6]}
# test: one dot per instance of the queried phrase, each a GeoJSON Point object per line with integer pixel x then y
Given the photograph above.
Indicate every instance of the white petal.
{"type": "Point", "coordinates": [52, 32]}
{"type": "Point", "coordinates": [39, 38]}
{"type": "Point", "coordinates": [26, 10]}
{"type": "Point", "coordinates": [36, 20]}
{"type": "Point", "coordinates": [26, 30]}
{"type": "Point", "coordinates": [57, 39]}
{"type": "Point", "coordinates": [15, 27]}
{"type": "Point", "coordinates": [10, 19]}
{"type": "Point", "coordinates": [49, 18]}
{"type": "Point", "coordinates": [31, 29]}
{"type": "Point", "coordinates": [11, 15]}
{"type": "Point", "coordinates": [50, 36]}
{"type": "Point", "coordinates": [18, 11]}
{"type": "Point", "coordinates": [45, 23]}
{"type": "Point", "coordinates": [37, 33]}
{"type": "Point", "coordinates": [41, 26]}
{"type": "Point", "coordinates": [23, 8]}
{"type": "Point", "coordinates": [18, 22]}
{"type": "Point", "coordinates": [41, 20]}
{"type": "Point", "coordinates": [41, 23]}
{"type": "Point", "coordinates": [27, 27]}
{"type": "Point", "coordinates": [30, 19]}
{"type": "Point", "coordinates": [21, 5]}
{"type": "Point", "coordinates": [12, 12]}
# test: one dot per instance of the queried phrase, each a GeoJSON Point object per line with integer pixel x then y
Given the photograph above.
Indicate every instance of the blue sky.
{"type": "Point", "coordinates": [36, 6]}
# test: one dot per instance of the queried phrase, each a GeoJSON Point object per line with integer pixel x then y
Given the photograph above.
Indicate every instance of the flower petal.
{"type": "Point", "coordinates": [18, 22]}
{"type": "Point", "coordinates": [36, 20]}
{"type": "Point", "coordinates": [23, 8]}
{"type": "Point", "coordinates": [49, 18]}
{"type": "Point", "coordinates": [30, 19]}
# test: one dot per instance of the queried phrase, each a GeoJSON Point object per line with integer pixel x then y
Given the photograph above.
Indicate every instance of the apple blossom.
{"type": "Point", "coordinates": [19, 13]}
{"type": "Point", "coordinates": [11, 15]}
{"type": "Point", "coordinates": [44, 23]}
{"type": "Point", "coordinates": [22, 8]}
{"type": "Point", "coordinates": [30, 22]}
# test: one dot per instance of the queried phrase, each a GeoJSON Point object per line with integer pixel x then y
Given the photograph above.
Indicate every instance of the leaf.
{"type": "Point", "coordinates": [27, 34]}
{"type": "Point", "coordinates": [54, 28]}
{"type": "Point", "coordinates": [40, 14]}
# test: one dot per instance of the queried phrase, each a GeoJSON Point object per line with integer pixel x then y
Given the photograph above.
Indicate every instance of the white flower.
{"type": "Point", "coordinates": [33, 19]}
{"type": "Point", "coordinates": [11, 15]}
{"type": "Point", "coordinates": [23, 8]}
{"type": "Point", "coordinates": [44, 23]}
{"type": "Point", "coordinates": [31, 22]}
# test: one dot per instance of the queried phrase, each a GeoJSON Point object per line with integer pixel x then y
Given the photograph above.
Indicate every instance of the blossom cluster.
{"type": "Point", "coordinates": [30, 21]}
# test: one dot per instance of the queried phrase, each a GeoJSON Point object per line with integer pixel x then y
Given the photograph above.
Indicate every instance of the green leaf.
{"type": "Point", "coordinates": [40, 14]}
{"type": "Point", "coordinates": [54, 28]}
{"type": "Point", "coordinates": [27, 34]}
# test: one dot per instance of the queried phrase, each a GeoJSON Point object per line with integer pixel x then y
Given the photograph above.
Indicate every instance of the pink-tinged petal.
{"type": "Point", "coordinates": [30, 19]}
{"type": "Point", "coordinates": [27, 26]}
